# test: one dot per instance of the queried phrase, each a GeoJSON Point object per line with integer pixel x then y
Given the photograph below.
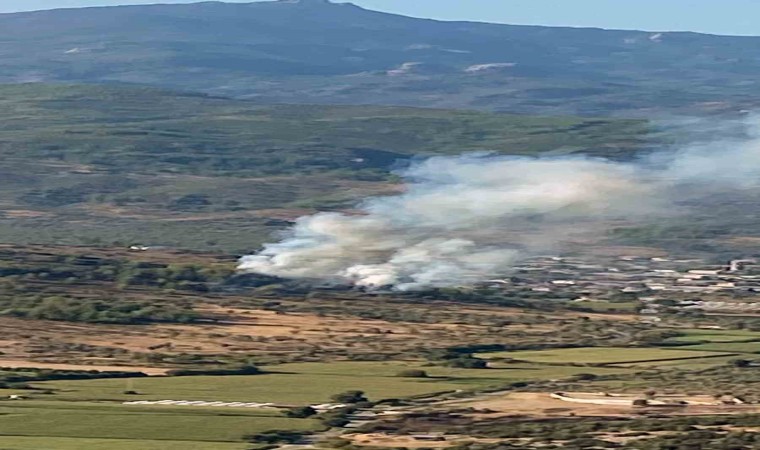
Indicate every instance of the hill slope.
{"type": "Point", "coordinates": [314, 51]}
{"type": "Point", "coordinates": [141, 164]}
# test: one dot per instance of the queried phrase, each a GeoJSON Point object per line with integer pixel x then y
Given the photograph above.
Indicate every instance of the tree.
{"type": "Point", "coordinates": [740, 363]}
{"type": "Point", "coordinates": [585, 377]}
{"type": "Point", "coordinates": [275, 437]}
{"type": "Point", "coordinates": [301, 412]}
{"type": "Point", "coordinates": [349, 397]}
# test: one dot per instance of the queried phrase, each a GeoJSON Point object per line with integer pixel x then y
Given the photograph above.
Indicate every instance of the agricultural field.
{"type": "Point", "coordinates": [117, 422]}
{"type": "Point", "coordinates": [69, 309]}
{"type": "Point", "coordinates": [705, 362]}
{"type": "Point", "coordinates": [92, 409]}
{"type": "Point", "coordinates": [64, 443]}
{"type": "Point", "coordinates": [705, 336]}
{"type": "Point", "coordinates": [602, 355]}
{"type": "Point", "coordinates": [736, 347]}
{"type": "Point", "coordinates": [307, 383]}
{"type": "Point", "coordinates": [131, 427]}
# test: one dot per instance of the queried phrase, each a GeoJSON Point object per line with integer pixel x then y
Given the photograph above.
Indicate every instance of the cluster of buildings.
{"type": "Point", "coordinates": [678, 283]}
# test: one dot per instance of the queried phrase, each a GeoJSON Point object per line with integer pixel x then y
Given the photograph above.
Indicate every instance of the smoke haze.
{"type": "Point", "coordinates": [470, 218]}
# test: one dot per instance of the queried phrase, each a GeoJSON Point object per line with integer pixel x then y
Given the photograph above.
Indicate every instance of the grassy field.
{"type": "Point", "coordinates": [688, 364]}
{"type": "Point", "coordinates": [600, 355]}
{"type": "Point", "coordinates": [292, 389]}
{"type": "Point", "coordinates": [461, 378]}
{"type": "Point", "coordinates": [736, 347]}
{"type": "Point", "coordinates": [62, 443]}
{"type": "Point", "coordinates": [88, 413]}
{"type": "Point", "coordinates": [305, 383]}
{"type": "Point", "coordinates": [699, 336]}
{"type": "Point", "coordinates": [103, 421]}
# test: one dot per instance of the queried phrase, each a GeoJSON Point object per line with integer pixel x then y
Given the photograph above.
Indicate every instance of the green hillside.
{"type": "Point", "coordinates": [140, 164]}
{"type": "Point", "coordinates": [118, 128]}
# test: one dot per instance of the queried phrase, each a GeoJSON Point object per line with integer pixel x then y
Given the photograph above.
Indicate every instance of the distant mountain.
{"type": "Point", "coordinates": [314, 51]}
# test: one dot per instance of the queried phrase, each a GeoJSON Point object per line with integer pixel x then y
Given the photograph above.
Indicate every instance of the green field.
{"type": "Point", "coordinates": [298, 384]}
{"type": "Point", "coordinates": [118, 422]}
{"type": "Point", "coordinates": [690, 364]}
{"type": "Point", "coordinates": [88, 414]}
{"type": "Point", "coordinates": [61, 443]}
{"type": "Point", "coordinates": [600, 355]}
{"type": "Point", "coordinates": [698, 336]}
{"type": "Point", "coordinates": [737, 347]}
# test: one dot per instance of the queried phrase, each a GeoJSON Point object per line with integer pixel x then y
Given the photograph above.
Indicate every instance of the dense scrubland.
{"type": "Point", "coordinates": [97, 164]}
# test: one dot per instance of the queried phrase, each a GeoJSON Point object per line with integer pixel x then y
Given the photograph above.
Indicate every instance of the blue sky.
{"type": "Point", "coordinates": [710, 16]}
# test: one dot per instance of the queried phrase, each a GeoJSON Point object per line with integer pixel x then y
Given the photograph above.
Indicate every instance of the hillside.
{"type": "Point", "coordinates": [320, 52]}
{"type": "Point", "coordinates": [104, 164]}
{"type": "Point", "coordinates": [581, 268]}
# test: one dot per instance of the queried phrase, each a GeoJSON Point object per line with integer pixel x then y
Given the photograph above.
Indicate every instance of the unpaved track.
{"type": "Point", "coordinates": [26, 364]}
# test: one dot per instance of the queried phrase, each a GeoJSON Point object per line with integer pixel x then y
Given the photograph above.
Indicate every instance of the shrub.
{"type": "Point", "coordinates": [335, 421]}
{"type": "Point", "coordinates": [336, 442]}
{"type": "Point", "coordinates": [740, 363]}
{"type": "Point", "coordinates": [585, 377]}
{"type": "Point", "coordinates": [243, 370]}
{"type": "Point", "coordinates": [275, 437]}
{"type": "Point", "coordinates": [349, 397]}
{"type": "Point", "coordinates": [412, 373]}
{"type": "Point", "coordinates": [301, 412]}
{"type": "Point", "coordinates": [467, 362]}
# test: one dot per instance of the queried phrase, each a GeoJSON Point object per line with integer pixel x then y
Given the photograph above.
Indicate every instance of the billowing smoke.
{"type": "Point", "coordinates": [470, 218]}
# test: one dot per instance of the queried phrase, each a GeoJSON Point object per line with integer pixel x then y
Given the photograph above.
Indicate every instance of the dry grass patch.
{"type": "Point", "coordinates": [543, 405]}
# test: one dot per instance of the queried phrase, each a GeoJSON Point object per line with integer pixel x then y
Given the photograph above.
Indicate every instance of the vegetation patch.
{"type": "Point", "coordinates": [107, 164]}
{"type": "Point", "coordinates": [64, 443]}
{"type": "Point", "coordinates": [600, 355]}
{"type": "Point", "coordinates": [311, 383]}
{"type": "Point", "coordinates": [715, 336]}
{"type": "Point", "coordinates": [115, 422]}
{"type": "Point", "coordinates": [734, 347]}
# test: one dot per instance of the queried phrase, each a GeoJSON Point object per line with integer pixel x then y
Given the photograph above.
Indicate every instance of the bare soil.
{"type": "Point", "coordinates": [541, 405]}
{"type": "Point", "coordinates": [18, 364]}
{"type": "Point", "coordinates": [390, 441]}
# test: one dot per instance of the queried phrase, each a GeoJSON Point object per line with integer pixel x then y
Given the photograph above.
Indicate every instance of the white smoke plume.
{"type": "Point", "coordinates": [470, 218]}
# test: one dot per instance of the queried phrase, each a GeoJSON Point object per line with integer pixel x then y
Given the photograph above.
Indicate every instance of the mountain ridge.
{"type": "Point", "coordinates": [351, 4]}
{"type": "Point", "coordinates": [340, 53]}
